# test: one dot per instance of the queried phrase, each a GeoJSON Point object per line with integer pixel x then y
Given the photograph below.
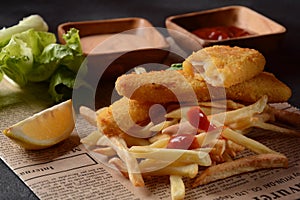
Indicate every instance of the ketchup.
{"type": "Point", "coordinates": [198, 119]}
{"type": "Point", "coordinates": [220, 32]}
{"type": "Point", "coordinates": [183, 141]}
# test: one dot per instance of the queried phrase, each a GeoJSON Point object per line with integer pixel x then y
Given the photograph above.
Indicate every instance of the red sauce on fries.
{"type": "Point", "coordinates": [183, 141]}
{"type": "Point", "coordinates": [198, 119]}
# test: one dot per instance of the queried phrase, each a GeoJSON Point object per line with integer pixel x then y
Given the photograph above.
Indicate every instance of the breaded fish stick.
{"type": "Point", "coordinates": [263, 84]}
{"type": "Point", "coordinates": [120, 116]}
{"type": "Point", "coordinates": [224, 66]}
{"type": "Point", "coordinates": [162, 87]}
{"type": "Point", "coordinates": [173, 86]}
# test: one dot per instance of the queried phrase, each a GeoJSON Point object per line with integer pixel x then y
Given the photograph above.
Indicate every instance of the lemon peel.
{"type": "Point", "coordinates": [43, 129]}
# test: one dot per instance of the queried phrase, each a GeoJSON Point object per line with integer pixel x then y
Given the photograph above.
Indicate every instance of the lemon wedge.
{"type": "Point", "coordinates": [44, 129]}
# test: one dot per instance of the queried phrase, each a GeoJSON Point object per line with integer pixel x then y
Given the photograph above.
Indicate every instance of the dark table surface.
{"type": "Point", "coordinates": [283, 63]}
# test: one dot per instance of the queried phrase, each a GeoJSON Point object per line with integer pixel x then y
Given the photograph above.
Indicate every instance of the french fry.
{"type": "Point", "coordinates": [177, 187]}
{"type": "Point", "coordinates": [245, 141]}
{"type": "Point", "coordinates": [290, 118]}
{"type": "Point", "coordinates": [92, 138]}
{"type": "Point", "coordinates": [162, 143]}
{"type": "Point", "coordinates": [135, 141]}
{"type": "Point", "coordinates": [178, 113]}
{"type": "Point", "coordinates": [209, 110]}
{"type": "Point", "coordinates": [190, 170]}
{"type": "Point", "coordinates": [240, 114]}
{"type": "Point", "coordinates": [234, 105]}
{"type": "Point", "coordinates": [242, 165]}
{"type": "Point", "coordinates": [107, 151]}
{"type": "Point", "coordinates": [233, 148]}
{"type": "Point", "coordinates": [153, 168]}
{"type": "Point", "coordinates": [228, 104]}
{"type": "Point", "coordinates": [217, 151]}
{"type": "Point", "coordinates": [248, 122]}
{"type": "Point", "coordinates": [260, 121]}
{"type": "Point", "coordinates": [186, 156]}
{"type": "Point", "coordinates": [103, 141]}
{"type": "Point", "coordinates": [209, 139]}
{"type": "Point", "coordinates": [134, 174]}
{"type": "Point", "coordinates": [200, 138]}
{"type": "Point", "coordinates": [163, 125]}
{"type": "Point", "coordinates": [119, 164]}
{"type": "Point", "coordinates": [140, 132]}
{"type": "Point", "coordinates": [150, 167]}
{"type": "Point", "coordinates": [158, 137]}
{"type": "Point", "coordinates": [182, 127]}
{"type": "Point", "coordinates": [88, 114]}
{"type": "Point", "coordinates": [272, 127]}
{"type": "Point", "coordinates": [226, 157]}
{"type": "Point", "coordinates": [242, 124]}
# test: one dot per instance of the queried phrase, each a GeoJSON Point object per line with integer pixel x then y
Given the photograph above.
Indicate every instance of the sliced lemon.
{"type": "Point", "coordinates": [45, 128]}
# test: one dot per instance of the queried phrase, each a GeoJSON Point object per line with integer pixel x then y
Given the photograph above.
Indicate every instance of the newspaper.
{"type": "Point", "coordinates": [69, 171]}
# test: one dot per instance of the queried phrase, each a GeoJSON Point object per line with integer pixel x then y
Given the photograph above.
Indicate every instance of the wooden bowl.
{"type": "Point", "coordinates": [265, 34]}
{"type": "Point", "coordinates": [117, 45]}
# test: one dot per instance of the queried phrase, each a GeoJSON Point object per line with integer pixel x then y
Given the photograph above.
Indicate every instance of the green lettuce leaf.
{"type": "Point", "coordinates": [35, 22]}
{"type": "Point", "coordinates": [18, 57]}
{"type": "Point", "coordinates": [72, 40]}
{"type": "Point", "coordinates": [61, 84]}
{"type": "Point", "coordinates": [34, 56]}
{"type": "Point", "coordinates": [16, 60]}
{"type": "Point", "coordinates": [1, 75]}
{"type": "Point", "coordinates": [51, 58]}
{"type": "Point", "coordinates": [55, 55]}
{"type": "Point", "coordinates": [175, 66]}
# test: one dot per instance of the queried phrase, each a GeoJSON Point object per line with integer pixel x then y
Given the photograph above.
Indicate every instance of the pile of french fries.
{"type": "Point", "coordinates": [219, 151]}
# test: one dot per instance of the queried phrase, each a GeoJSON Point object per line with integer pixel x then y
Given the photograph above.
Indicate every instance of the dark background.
{"type": "Point", "coordinates": [283, 63]}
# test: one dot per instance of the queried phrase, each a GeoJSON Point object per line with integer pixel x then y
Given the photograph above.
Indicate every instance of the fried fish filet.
{"type": "Point", "coordinates": [162, 87]}
{"type": "Point", "coordinates": [121, 116]}
{"type": "Point", "coordinates": [176, 86]}
{"type": "Point", "coordinates": [263, 84]}
{"type": "Point", "coordinates": [224, 66]}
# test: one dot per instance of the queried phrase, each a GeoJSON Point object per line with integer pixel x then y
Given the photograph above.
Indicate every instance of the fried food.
{"type": "Point", "coordinates": [219, 150]}
{"type": "Point", "coordinates": [150, 131]}
{"type": "Point", "coordinates": [162, 87]}
{"type": "Point", "coordinates": [173, 86]}
{"type": "Point", "coordinates": [263, 84]}
{"type": "Point", "coordinates": [121, 116]}
{"type": "Point", "coordinates": [242, 165]}
{"type": "Point", "coordinates": [224, 66]}
{"type": "Point", "coordinates": [177, 187]}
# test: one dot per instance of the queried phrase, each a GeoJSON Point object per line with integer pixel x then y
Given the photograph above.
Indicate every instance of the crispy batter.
{"type": "Point", "coordinates": [106, 123]}
{"type": "Point", "coordinates": [121, 116]}
{"type": "Point", "coordinates": [224, 66]}
{"type": "Point", "coordinates": [162, 87]}
{"type": "Point", "coordinates": [165, 86]}
{"type": "Point", "coordinates": [263, 84]}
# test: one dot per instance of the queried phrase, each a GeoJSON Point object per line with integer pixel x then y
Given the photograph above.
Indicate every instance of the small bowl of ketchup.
{"type": "Point", "coordinates": [231, 25]}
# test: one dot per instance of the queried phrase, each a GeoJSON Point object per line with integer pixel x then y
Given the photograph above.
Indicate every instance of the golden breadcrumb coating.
{"type": "Point", "coordinates": [122, 115]}
{"type": "Point", "coordinates": [173, 86]}
{"type": "Point", "coordinates": [263, 84]}
{"type": "Point", "coordinates": [162, 87]}
{"type": "Point", "coordinates": [224, 66]}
